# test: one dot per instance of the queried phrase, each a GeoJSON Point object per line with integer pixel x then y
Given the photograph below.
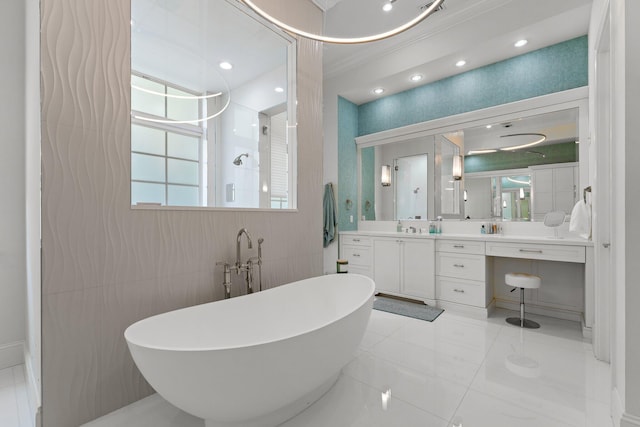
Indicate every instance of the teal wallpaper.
{"type": "Point", "coordinates": [555, 153]}
{"type": "Point", "coordinates": [347, 165]}
{"type": "Point", "coordinates": [552, 69]}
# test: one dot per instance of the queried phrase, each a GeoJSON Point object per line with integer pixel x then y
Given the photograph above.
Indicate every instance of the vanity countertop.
{"type": "Point", "coordinates": [568, 241]}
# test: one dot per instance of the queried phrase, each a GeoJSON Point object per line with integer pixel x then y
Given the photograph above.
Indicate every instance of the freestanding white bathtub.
{"type": "Point", "coordinates": [259, 359]}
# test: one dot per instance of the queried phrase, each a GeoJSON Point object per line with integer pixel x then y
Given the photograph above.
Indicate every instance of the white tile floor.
{"type": "Point", "coordinates": [14, 404]}
{"type": "Point", "coordinates": [455, 371]}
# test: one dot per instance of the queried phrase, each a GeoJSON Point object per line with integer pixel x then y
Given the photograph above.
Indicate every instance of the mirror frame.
{"type": "Point", "coordinates": [292, 124]}
{"type": "Point", "coordinates": [573, 98]}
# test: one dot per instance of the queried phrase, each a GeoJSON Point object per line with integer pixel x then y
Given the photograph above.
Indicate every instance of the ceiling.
{"type": "Point", "coordinates": [479, 31]}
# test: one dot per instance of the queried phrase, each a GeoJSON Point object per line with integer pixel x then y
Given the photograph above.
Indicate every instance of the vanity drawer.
{"type": "Point", "coordinates": [565, 253]}
{"type": "Point", "coordinates": [471, 267]}
{"type": "Point", "coordinates": [357, 255]}
{"type": "Point", "coordinates": [460, 246]}
{"type": "Point", "coordinates": [356, 240]}
{"type": "Point", "coordinates": [461, 291]}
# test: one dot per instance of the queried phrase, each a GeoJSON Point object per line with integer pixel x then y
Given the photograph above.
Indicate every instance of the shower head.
{"type": "Point", "coordinates": [238, 160]}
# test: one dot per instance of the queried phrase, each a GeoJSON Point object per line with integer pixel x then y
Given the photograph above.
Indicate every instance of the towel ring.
{"type": "Point", "coordinates": [348, 204]}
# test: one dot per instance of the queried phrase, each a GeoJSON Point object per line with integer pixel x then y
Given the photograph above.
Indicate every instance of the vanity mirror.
{"type": "Point", "coordinates": [213, 107]}
{"type": "Point", "coordinates": [516, 166]}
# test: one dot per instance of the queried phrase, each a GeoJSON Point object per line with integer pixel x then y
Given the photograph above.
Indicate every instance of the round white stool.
{"type": "Point", "coordinates": [522, 281]}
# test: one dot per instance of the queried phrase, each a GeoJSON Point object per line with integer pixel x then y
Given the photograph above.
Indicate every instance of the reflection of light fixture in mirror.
{"type": "Point", "coordinates": [385, 176]}
{"type": "Point", "coordinates": [504, 204]}
{"type": "Point", "coordinates": [169, 95]}
{"type": "Point", "coordinates": [238, 160]}
{"type": "Point", "coordinates": [472, 152]}
{"type": "Point", "coordinates": [465, 195]}
{"type": "Point", "coordinates": [433, 7]}
{"type": "Point", "coordinates": [457, 168]}
{"type": "Point", "coordinates": [521, 193]}
{"type": "Point", "coordinates": [386, 396]}
{"type": "Point", "coordinates": [542, 138]}
{"type": "Point", "coordinates": [518, 181]}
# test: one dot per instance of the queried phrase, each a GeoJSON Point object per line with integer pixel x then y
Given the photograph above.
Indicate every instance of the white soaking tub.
{"type": "Point", "coordinates": [259, 359]}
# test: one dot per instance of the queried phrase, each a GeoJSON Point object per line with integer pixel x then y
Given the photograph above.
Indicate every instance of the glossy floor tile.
{"type": "Point", "coordinates": [14, 406]}
{"type": "Point", "coordinates": [455, 371]}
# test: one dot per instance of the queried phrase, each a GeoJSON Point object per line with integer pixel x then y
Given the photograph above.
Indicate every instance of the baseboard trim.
{"type": "Point", "coordinates": [11, 354]}
{"type": "Point", "coordinates": [620, 417]}
{"type": "Point", "coordinates": [629, 420]}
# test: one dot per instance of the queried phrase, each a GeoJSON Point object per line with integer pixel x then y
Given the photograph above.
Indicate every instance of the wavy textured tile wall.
{"type": "Point", "coordinates": [104, 265]}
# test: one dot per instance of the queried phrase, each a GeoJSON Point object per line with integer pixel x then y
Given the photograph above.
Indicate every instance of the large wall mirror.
{"type": "Point", "coordinates": [510, 167]}
{"type": "Point", "coordinates": [213, 107]}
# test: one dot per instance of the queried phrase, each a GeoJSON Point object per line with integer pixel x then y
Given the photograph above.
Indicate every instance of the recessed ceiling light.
{"type": "Point", "coordinates": [279, 89]}
{"type": "Point", "coordinates": [416, 77]}
{"type": "Point", "coordinates": [489, 126]}
{"type": "Point", "coordinates": [388, 5]}
{"type": "Point", "coordinates": [461, 63]}
{"type": "Point", "coordinates": [521, 43]}
{"type": "Point", "coordinates": [378, 90]}
{"type": "Point", "coordinates": [225, 65]}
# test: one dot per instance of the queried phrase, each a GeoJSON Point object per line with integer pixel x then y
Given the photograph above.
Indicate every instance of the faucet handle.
{"type": "Point", "coordinates": [227, 272]}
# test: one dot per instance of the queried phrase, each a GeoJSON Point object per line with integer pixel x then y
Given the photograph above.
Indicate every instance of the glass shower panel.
{"type": "Point", "coordinates": [411, 187]}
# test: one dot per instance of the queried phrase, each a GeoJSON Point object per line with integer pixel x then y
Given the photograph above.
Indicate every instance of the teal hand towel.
{"type": "Point", "coordinates": [329, 208]}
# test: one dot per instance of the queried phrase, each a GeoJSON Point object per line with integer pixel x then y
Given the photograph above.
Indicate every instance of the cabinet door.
{"type": "Point", "coordinates": [386, 265]}
{"type": "Point", "coordinates": [418, 270]}
{"type": "Point", "coordinates": [542, 192]}
{"type": "Point", "coordinates": [564, 196]}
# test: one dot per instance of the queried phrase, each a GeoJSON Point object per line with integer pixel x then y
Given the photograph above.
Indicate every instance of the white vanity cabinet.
{"type": "Point", "coordinates": [358, 251]}
{"type": "Point", "coordinates": [461, 275]}
{"type": "Point", "coordinates": [554, 188]}
{"type": "Point", "coordinates": [404, 267]}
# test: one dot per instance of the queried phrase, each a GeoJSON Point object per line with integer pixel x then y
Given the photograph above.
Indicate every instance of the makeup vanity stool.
{"type": "Point", "coordinates": [522, 281]}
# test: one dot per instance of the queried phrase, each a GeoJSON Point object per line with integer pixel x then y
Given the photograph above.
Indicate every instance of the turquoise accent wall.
{"type": "Point", "coordinates": [555, 153]}
{"type": "Point", "coordinates": [552, 69]}
{"type": "Point", "coordinates": [347, 165]}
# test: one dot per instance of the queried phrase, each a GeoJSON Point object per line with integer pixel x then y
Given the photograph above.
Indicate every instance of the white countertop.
{"type": "Point", "coordinates": [568, 241]}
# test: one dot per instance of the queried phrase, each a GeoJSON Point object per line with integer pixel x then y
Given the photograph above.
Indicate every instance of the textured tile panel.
{"type": "Point", "coordinates": [106, 265]}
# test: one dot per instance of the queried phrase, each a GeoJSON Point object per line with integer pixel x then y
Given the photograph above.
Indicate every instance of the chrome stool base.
{"type": "Point", "coordinates": [523, 323]}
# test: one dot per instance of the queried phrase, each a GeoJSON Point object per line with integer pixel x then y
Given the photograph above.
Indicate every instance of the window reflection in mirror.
{"type": "Point", "coordinates": [204, 133]}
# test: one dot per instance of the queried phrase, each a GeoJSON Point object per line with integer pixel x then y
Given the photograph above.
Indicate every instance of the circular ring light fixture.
{"type": "Point", "coordinates": [345, 40]}
{"type": "Point", "coordinates": [542, 138]}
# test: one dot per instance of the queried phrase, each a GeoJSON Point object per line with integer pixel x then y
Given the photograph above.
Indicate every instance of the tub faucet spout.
{"type": "Point", "coordinates": [249, 244]}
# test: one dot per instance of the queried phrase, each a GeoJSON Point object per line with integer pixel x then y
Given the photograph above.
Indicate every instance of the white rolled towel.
{"type": "Point", "coordinates": [581, 219]}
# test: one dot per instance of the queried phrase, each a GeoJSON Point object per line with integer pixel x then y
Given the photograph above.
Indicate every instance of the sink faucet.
{"type": "Point", "coordinates": [250, 245]}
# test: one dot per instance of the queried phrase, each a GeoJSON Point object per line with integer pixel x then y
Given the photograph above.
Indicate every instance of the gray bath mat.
{"type": "Point", "coordinates": [406, 308]}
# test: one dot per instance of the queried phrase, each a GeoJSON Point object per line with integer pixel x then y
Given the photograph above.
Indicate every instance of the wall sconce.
{"type": "Point", "coordinates": [385, 176]}
{"type": "Point", "coordinates": [465, 195]}
{"type": "Point", "coordinates": [457, 168]}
